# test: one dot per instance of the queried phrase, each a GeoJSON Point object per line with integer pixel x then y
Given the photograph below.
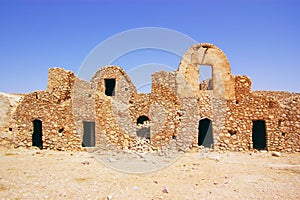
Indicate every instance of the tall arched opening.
{"type": "Point", "coordinates": [143, 127]}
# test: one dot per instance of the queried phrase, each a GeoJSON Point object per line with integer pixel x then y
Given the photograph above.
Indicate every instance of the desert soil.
{"type": "Point", "coordinates": [36, 174]}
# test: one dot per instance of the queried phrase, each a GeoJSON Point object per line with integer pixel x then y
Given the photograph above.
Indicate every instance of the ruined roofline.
{"type": "Point", "coordinates": [12, 94]}
{"type": "Point", "coordinates": [103, 68]}
{"type": "Point", "coordinates": [276, 92]}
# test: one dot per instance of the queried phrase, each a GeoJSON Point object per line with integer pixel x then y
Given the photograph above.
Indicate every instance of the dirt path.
{"type": "Point", "coordinates": [34, 174]}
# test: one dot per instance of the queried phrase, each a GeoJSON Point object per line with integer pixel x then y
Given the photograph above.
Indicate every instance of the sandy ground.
{"type": "Point", "coordinates": [35, 174]}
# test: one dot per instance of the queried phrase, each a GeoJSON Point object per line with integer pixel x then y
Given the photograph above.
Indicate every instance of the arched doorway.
{"type": "Point", "coordinates": [259, 134]}
{"type": "Point", "coordinates": [143, 127]}
{"type": "Point", "coordinates": [205, 134]}
{"type": "Point", "coordinates": [37, 135]}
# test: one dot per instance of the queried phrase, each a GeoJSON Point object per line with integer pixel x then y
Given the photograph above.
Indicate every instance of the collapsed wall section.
{"type": "Point", "coordinates": [6, 139]}
{"type": "Point", "coordinates": [5, 113]}
{"type": "Point", "coordinates": [118, 116]}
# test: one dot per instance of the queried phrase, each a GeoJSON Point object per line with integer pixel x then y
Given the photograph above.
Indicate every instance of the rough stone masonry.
{"type": "Point", "coordinates": [179, 112]}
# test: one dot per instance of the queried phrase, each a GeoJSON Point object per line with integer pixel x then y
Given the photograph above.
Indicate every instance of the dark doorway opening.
{"type": "Point", "coordinates": [259, 134]}
{"type": "Point", "coordinates": [205, 134]}
{"type": "Point", "coordinates": [110, 85]}
{"type": "Point", "coordinates": [143, 129]}
{"type": "Point", "coordinates": [88, 139]}
{"type": "Point", "coordinates": [37, 135]}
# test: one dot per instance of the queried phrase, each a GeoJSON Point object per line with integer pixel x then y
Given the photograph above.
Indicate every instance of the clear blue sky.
{"type": "Point", "coordinates": [260, 38]}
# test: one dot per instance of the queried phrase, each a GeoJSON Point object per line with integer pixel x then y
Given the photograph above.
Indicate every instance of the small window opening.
{"type": "Point", "coordinates": [283, 134]}
{"type": "Point", "coordinates": [61, 130]}
{"type": "Point", "coordinates": [271, 104]}
{"type": "Point", "coordinates": [179, 114]}
{"type": "Point", "coordinates": [279, 123]}
{"type": "Point", "coordinates": [37, 96]}
{"type": "Point", "coordinates": [10, 129]}
{"type": "Point", "coordinates": [110, 85]}
{"type": "Point", "coordinates": [231, 132]}
{"type": "Point", "coordinates": [205, 77]}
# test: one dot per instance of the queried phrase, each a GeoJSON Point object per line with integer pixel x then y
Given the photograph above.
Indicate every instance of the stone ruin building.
{"type": "Point", "coordinates": [222, 113]}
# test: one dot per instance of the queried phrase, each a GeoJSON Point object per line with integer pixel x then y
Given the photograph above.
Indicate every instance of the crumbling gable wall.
{"type": "Point", "coordinates": [208, 54]}
{"type": "Point", "coordinates": [112, 111]}
{"type": "Point", "coordinates": [54, 108]}
{"type": "Point", "coordinates": [124, 87]}
{"type": "Point", "coordinates": [118, 115]}
{"type": "Point", "coordinates": [211, 104]}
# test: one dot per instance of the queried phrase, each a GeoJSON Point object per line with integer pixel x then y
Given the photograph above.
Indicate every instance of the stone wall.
{"type": "Point", "coordinates": [119, 118]}
{"type": "Point", "coordinates": [171, 119]}
{"type": "Point", "coordinates": [83, 101]}
{"type": "Point", "coordinates": [54, 108]}
{"type": "Point", "coordinates": [172, 110]}
{"type": "Point", "coordinates": [248, 107]}
{"type": "Point", "coordinates": [6, 138]}
{"type": "Point", "coordinates": [112, 112]}
{"type": "Point", "coordinates": [288, 137]}
{"type": "Point", "coordinates": [5, 113]}
{"type": "Point", "coordinates": [8, 104]}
